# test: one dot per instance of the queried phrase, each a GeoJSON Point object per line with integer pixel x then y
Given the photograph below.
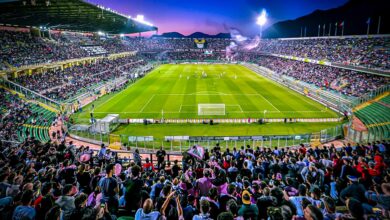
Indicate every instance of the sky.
{"type": "Point", "coordinates": [215, 16]}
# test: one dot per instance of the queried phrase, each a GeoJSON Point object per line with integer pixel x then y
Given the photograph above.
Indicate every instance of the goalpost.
{"type": "Point", "coordinates": [211, 109]}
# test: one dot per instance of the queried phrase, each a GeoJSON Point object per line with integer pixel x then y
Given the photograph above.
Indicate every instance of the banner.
{"type": "Point", "coordinates": [200, 44]}
{"type": "Point", "coordinates": [196, 151]}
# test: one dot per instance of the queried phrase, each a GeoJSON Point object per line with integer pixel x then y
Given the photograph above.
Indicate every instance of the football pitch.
{"type": "Point", "coordinates": [175, 90]}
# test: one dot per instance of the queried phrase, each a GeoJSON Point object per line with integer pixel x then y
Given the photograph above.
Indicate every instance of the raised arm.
{"type": "Point", "coordinates": [179, 209]}
{"type": "Point", "coordinates": [166, 202]}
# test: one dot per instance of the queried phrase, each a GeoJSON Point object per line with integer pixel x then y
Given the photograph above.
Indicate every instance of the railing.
{"type": "Point", "coordinates": [371, 95]}
{"type": "Point", "coordinates": [183, 143]}
{"type": "Point", "coordinates": [29, 94]}
{"type": "Point", "coordinates": [10, 143]}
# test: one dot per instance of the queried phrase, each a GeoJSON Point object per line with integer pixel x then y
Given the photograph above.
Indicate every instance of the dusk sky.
{"type": "Point", "coordinates": [213, 16]}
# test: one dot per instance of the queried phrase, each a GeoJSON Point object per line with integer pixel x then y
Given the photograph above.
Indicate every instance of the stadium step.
{"type": "Point", "coordinates": [376, 117]}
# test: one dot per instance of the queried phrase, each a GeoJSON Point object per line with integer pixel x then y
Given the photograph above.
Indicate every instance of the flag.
{"type": "Point", "coordinates": [342, 24]}
{"type": "Point", "coordinates": [196, 151]}
{"type": "Point", "coordinates": [368, 21]}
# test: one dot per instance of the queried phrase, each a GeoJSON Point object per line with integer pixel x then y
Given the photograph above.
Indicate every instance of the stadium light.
{"type": "Point", "coordinates": [261, 20]}
{"type": "Point", "coordinates": [121, 35]}
{"type": "Point", "coordinates": [141, 19]}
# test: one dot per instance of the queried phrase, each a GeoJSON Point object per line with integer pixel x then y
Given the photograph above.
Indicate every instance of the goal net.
{"type": "Point", "coordinates": [211, 109]}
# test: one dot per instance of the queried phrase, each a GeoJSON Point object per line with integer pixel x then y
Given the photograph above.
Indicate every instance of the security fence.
{"type": "Point", "coordinates": [183, 143]}
{"type": "Point", "coordinates": [371, 95]}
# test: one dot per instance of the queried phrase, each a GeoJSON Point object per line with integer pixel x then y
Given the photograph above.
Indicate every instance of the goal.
{"type": "Point", "coordinates": [211, 109]}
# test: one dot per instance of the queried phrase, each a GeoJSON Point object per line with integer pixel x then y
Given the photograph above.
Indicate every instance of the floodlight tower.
{"type": "Point", "coordinates": [261, 20]}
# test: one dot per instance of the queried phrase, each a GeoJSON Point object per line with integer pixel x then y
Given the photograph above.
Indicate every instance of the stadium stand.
{"type": "Point", "coordinates": [94, 50]}
{"type": "Point", "coordinates": [348, 82]}
{"type": "Point", "coordinates": [377, 116]}
{"type": "Point", "coordinates": [21, 119]}
{"type": "Point", "coordinates": [359, 51]}
{"type": "Point", "coordinates": [63, 84]}
{"type": "Point", "coordinates": [17, 49]}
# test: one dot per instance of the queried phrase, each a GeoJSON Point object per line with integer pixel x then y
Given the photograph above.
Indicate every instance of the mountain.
{"type": "Point", "coordinates": [354, 13]}
{"type": "Point", "coordinates": [223, 35]}
{"type": "Point", "coordinates": [193, 35]}
{"type": "Point", "coordinates": [170, 35]}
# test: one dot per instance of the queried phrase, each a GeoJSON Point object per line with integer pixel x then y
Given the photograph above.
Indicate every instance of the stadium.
{"type": "Point", "coordinates": [104, 115]}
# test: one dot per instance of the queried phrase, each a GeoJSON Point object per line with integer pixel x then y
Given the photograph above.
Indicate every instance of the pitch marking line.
{"type": "Point", "coordinates": [142, 109]}
{"type": "Point", "coordinates": [120, 92]}
{"type": "Point", "coordinates": [297, 94]}
{"type": "Point", "coordinates": [194, 112]}
{"type": "Point", "coordinates": [207, 94]}
{"type": "Point", "coordinates": [269, 102]}
{"type": "Point", "coordinates": [239, 106]}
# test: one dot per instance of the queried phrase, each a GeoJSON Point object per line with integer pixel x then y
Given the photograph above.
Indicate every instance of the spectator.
{"type": "Point", "coordinates": [248, 210]}
{"type": "Point", "coordinates": [204, 211]}
{"type": "Point", "coordinates": [25, 210]}
{"type": "Point", "coordinates": [160, 157]}
{"type": "Point", "coordinates": [146, 212]}
{"type": "Point", "coordinates": [110, 188]}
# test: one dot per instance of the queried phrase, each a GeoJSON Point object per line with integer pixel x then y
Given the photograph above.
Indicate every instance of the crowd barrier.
{"type": "Point", "coordinates": [182, 143]}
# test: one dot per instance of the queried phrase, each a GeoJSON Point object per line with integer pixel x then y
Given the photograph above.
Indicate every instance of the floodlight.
{"type": "Point", "coordinates": [121, 35]}
{"type": "Point", "coordinates": [262, 19]}
{"type": "Point", "coordinates": [140, 18]}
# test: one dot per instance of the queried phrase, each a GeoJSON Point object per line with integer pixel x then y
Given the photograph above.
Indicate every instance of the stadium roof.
{"type": "Point", "coordinates": [74, 15]}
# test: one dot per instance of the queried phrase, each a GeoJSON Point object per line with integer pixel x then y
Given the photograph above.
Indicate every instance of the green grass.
{"type": "Point", "coordinates": [178, 89]}
{"type": "Point", "coordinates": [162, 130]}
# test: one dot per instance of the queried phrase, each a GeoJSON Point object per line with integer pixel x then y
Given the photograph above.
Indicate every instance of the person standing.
{"type": "Point", "coordinates": [137, 158]}
{"type": "Point", "coordinates": [101, 154]}
{"type": "Point", "coordinates": [109, 187]}
{"type": "Point", "coordinates": [25, 210]}
{"type": "Point", "coordinates": [160, 157]}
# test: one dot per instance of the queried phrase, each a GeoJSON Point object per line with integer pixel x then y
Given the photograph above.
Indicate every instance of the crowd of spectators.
{"type": "Point", "coordinates": [347, 82]}
{"type": "Point", "coordinates": [66, 83]}
{"type": "Point", "coordinates": [183, 56]}
{"type": "Point", "coordinates": [363, 51]}
{"type": "Point", "coordinates": [14, 112]}
{"type": "Point", "coordinates": [169, 44]}
{"type": "Point", "coordinates": [61, 181]}
{"type": "Point", "coordinates": [21, 48]}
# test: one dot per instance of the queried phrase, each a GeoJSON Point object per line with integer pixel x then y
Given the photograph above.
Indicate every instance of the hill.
{"type": "Point", "coordinates": [354, 13]}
